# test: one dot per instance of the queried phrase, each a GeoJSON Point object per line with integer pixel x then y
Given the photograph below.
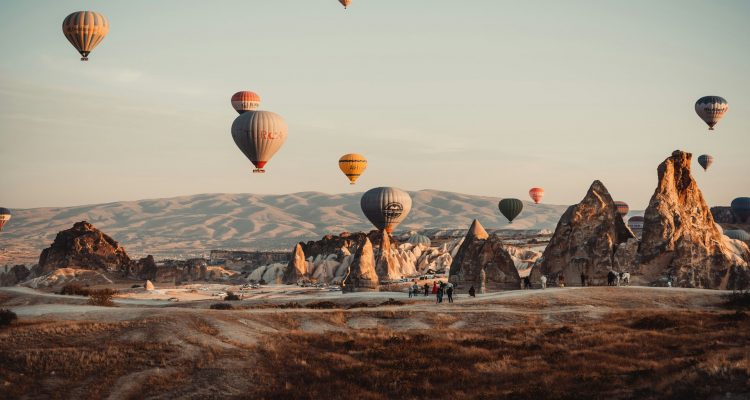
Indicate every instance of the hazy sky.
{"type": "Point", "coordinates": [482, 97]}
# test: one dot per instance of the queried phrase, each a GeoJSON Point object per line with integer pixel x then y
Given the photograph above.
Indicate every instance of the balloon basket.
{"type": "Point", "coordinates": [259, 171]}
{"type": "Point", "coordinates": [352, 183]}
{"type": "Point", "coordinates": [84, 58]}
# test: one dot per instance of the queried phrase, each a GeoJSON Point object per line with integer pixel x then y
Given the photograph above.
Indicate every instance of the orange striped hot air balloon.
{"type": "Point", "coordinates": [536, 194]}
{"type": "Point", "coordinates": [245, 101]}
{"type": "Point", "coordinates": [622, 208]}
{"type": "Point", "coordinates": [85, 30]}
{"type": "Point", "coordinates": [345, 3]}
{"type": "Point", "coordinates": [352, 165]}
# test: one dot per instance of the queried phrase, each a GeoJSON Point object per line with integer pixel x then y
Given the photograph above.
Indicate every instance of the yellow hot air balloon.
{"type": "Point", "coordinates": [85, 30]}
{"type": "Point", "coordinates": [352, 165]}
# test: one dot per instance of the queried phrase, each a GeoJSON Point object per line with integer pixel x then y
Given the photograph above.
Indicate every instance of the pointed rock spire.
{"type": "Point", "coordinates": [362, 275]}
{"type": "Point", "coordinates": [476, 231]}
{"type": "Point", "coordinates": [297, 268]}
{"type": "Point", "coordinates": [483, 262]}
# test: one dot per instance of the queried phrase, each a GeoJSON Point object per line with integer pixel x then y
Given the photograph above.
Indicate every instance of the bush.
{"type": "Point", "coordinates": [75, 289]}
{"type": "Point", "coordinates": [738, 300]}
{"type": "Point", "coordinates": [231, 297]}
{"type": "Point", "coordinates": [136, 286]}
{"type": "Point", "coordinates": [7, 317]}
{"type": "Point", "coordinates": [222, 306]}
{"type": "Point", "coordinates": [102, 297]}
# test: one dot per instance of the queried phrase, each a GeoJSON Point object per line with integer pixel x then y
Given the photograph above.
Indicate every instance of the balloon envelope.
{"type": "Point", "coordinates": [245, 101]}
{"type": "Point", "coordinates": [85, 30]}
{"type": "Point", "coordinates": [536, 194]}
{"type": "Point", "coordinates": [259, 135]}
{"type": "Point", "coordinates": [4, 217]}
{"type": "Point", "coordinates": [510, 208]}
{"type": "Point", "coordinates": [417, 240]}
{"type": "Point", "coordinates": [352, 165]}
{"type": "Point", "coordinates": [345, 3]}
{"type": "Point", "coordinates": [741, 208]}
{"type": "Point", "coordinates": [705, 161]}
{"type": "Point", "coordinates": [711, 109]}
{"type": "Point", "coordinates": [635, 223]}
{"type": "Point", "coordinates": [738, 234]}
{"type": "Point", "coordinates": [622, 208]}
{"type": "Point", "coordinates": [385, 207]}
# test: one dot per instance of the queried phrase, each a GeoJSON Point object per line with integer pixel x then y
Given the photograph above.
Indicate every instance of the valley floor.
{"type": "Point", "coordinates": [574, 343]}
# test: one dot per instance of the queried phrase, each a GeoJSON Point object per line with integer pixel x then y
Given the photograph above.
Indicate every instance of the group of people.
{"type": "Point", "coordinates": [440, 289]}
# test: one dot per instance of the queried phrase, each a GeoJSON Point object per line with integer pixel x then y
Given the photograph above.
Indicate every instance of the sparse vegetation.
{"type": "Point", "coordinates": [231, 296]}
{"type": "Point", "coordinates": [102, 297]}
{"type": "Point", "coordinates": [738, 300]}
{"type": "Point", "coordinates": [75, 289]}
{"type": "Point", "coordinates": [7, 317]}
{"type": "Point", "coordinates": [221, 306]}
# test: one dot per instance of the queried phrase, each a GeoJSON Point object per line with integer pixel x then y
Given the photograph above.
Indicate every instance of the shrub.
{"type": "Point", "coordinates": [136, 286]}
{"type": "Point", "coordinates": [7, 317]}
{"type": "Point", "coordinates": [222, 306]}
{"type": "Point", "coordinates": [231, 297]}
{"type": "Point", "coordinates": [75, 289]}
{"type": "Point", "coordinates": [323, 305]}
{"type": "Point", "coordinates": [102, 297]}
{"type": "Point", "coordinates": [738, 300]}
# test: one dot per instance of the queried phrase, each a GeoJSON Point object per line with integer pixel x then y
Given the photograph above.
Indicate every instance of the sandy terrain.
{"type": "Point", "coordinates": [289, 342]}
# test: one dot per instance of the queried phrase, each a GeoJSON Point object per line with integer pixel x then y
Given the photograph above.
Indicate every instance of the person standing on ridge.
{"type": "Point", "coordinates": [449, 291]}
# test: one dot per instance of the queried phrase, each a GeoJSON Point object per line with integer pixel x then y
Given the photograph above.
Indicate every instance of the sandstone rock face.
{"type": "Point", "coordinates": [297, 268]}
{"type": "Point", "coordinates": [680, 238]}
{"type": "Point", "coordinates": [13, 276]}
{"type": "Point", "coordinates": [83, 246]}
{"type": "Point", "coordinates": [483, 262]}
{"type": "Point", "coordinates": [361, 275]}
{"type": "Point", "coordinates": [586, 240]}
{"type": "Point", "coordinates": [148, 285]}
{"type": "Point", "coordinates": [387, 263]}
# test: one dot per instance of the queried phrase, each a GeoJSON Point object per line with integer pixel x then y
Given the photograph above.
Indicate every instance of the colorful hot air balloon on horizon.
{"type": "Point", "coordinates": [510, 208]}
{"type": "Point", "coordinates": [245, 100]}
{"type": "Point", "coordinates": [5, 215]}
{"type": "Point", "coordinates": [385, 207]}
{"type": "Point", "coordinates": [259, 135]}
{"type": "Point", "coordinates": [711, 109]}
{"type": "Point", "coordinates": [85, 30]}
{"type": "Point", "coordinates": [738, 234]}
{"type": "Point", "coordinates": [622, 208]}
{"type": "Point", "coordinates": [636, 223]}
{"type": "Point", "coordinates": [419, 240]}
{"type": "Point", "coordinates": [741, 208]}
{"type": "Point", "coordinates": [705, 161]}
{"type": "Point", "coordinates": [536, 194]}
{"type": "Point", "coordinates": [352, 165]}
{"type": "Point", "coordinates": [345, 3]}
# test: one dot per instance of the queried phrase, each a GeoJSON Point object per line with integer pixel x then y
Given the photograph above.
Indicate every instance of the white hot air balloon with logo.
{"type": "Point", "coordinates": [259, 135]}
{"type": "Point", "coordinates": [386, 207]}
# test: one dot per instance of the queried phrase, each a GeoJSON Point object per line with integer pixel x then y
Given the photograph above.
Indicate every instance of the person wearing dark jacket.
{"type": "Point", "coordinates": [472, 292]}
{"type": "Point", "coordinates": [449, 291]}
{"type": "Point", "coordinates": [426, 289]}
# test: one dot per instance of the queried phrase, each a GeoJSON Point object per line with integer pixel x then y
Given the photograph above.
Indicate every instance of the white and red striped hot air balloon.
{"type": "Point", "coordinates": [259, 135]}
{"type": "Point", "coordinates": [245, 101]}
{"type": "Point", "coordinates": [536, 194]}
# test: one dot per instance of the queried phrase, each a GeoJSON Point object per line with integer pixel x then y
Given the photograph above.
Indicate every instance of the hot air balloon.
{"type": "Point", "coordinates": [510, 208]}
{"type": "Point", "coordinates": [345, 3]}
{"type": "Point", "coordinates": [738, 234]}
{"type": "Point", "coordinates": [245, 101]}
{"type": "Point", "coordinates": [85, 30]}
{"type": "Point", "coordinates": [705, 161]}
{"type": "Point", "coordinates": [711, 109]}
{"type": "Point", "coordinates": [385, 207]}
{"type": "Point", "coordinates": [622, 208]}
{"type": "Point", "coordinates": [4, 217]}
{"type": "Point", "coordinates": [741, 208]}
{"type": "Point", "coordinates": [419, 240]}
{"type": "Point", "coordinates": [259, 135]}
{"type": "Point", "coordinates": [352, 165]}
{"type": "Point", "coordinates": [635, 223]}
{"type": "Point", "coordinates": [536, 194]}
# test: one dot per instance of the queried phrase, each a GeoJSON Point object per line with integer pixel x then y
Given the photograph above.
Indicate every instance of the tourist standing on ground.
{"type": "Point", "coordinates": [426, 289]}
{"type": "Point", "coordinates": [411, 291]}
{"type": "Point", "coordinates": [439, 294]}
{"type": "Point", "coordinates": [543, 279]}
{"type": "Point", "coordinates": [434, 287]}
{"type": "Point", "coordinates": [583, 279]}
{"type": "Point", "coordinates": [449, 292]}
{"type": "Point", "coordinates": [472, 292]}
{"type": "Point", "coordinates": [561, 280]}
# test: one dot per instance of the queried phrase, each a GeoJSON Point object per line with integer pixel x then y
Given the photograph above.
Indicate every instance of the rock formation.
{"type": "Point", "coordinates": [387, 263]}
{"type": "Point", "coordinates": [483, 262]}
{"type": "Point", "coordinates": [148, 285]}
{"type": "Point", "coordinates": [13, 276]}
{"type": "Point", "coordinates": [361, 275]}
{"type": "Point", "coordinates": [586, 240]}
{"type": "Point", "coordinates": [297, 268]}
{"type": "Point", "coordinates": [83, 246]}
{"type": "Point", "coordinates": [680, 238]}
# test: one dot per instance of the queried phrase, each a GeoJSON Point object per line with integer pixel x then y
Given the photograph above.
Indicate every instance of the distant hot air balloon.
{"type": "Point", "coordinates": [738, 234]}
{"type": "Point", "coordinates": [385, 207]}
{"type": "Point", "coordinates": [635, 223]}
{"type": "Point", "coordinates": [245, 101]}
{"type": "Point", "coordinates": [85, 30]}
{"type": "Point", "coordinates": [419, 240]}
{"type": "Point", "coordinates": [345, 3]}
{"type": "Point", "coordinates": [510, 208]}
{"type": "Point", "coordinates": [741, 208]}
{"type": "Point", "coordinates": [352, 165]}
{"type": "Point", "coordinates": [536, 194]}
{"type": "Point", "coordinates": [711, 109]}
{"type": "Point", "coordinates": [705, 161]}
{"type": "Point", "coordinates": [4, 217]}
{"type": "Point", "coordinates": [622, 208]}
{"type": "Point", "coordinates": [259, 135]}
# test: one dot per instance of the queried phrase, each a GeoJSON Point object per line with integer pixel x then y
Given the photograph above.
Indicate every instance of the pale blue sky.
{"type": "Point", "coordinates": [482, 97]}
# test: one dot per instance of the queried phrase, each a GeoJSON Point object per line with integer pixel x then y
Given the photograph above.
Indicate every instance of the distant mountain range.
{"type": "Point", "coordinates": [191, 225]}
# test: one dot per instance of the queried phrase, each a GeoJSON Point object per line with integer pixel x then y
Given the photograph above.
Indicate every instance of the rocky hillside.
{"type": "Point", "coordinates": [190, 226]}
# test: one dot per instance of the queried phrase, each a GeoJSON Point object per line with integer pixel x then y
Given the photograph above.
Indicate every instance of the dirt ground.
{"type": "Point", "coordinates": [282, 342]}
